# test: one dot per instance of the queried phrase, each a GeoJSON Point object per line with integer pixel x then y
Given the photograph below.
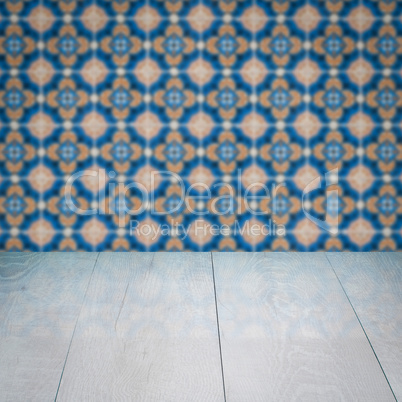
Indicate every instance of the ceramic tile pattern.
{"type": "Point", "coordinates": [282, 90]}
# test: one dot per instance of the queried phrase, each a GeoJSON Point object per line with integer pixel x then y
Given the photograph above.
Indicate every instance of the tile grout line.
{"type": "Point", "coordinates": [361, 325]}
{"type": "Point", "coordinates": [148, 139]}
{"type": "Point", "coordinates": [254, 111]}
{"type": "Point", "coordinates": [201, 87]}
{"type": "Point", "coordinates": [363, 154]}
{"type": "Point", "coordinates": [41, 199]}
{"type": "Point", "coordinates": [168, 18]}
{"type": "Point", "coordinates": [217, 324]}
{"type": "Point", "coordinates": [94, 91]}
{"type": "Point", "coordinates": [75, 326]}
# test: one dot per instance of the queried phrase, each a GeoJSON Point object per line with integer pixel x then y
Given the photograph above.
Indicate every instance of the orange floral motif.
{"type": "Point", "coordinates": [387, 244]}
{"type": "Point", "coordinates": [15, 99]}
{"type": "Point", "coordinates": [335, 150]}
{"type": "Point", "coordinates": [16, 6]}
{"type": "Point", "coordinates": [334, 98]}
{"type": "Point", "coordinates": [387, 45]}
{"type": "Point", "coordinates": [121, 6]}
{"type": "Point", "coordinates": [227, 244]}
{"type": "Point", "coordinates": [173, 6]}
{"type": "Point", "coordinates": [334, 45]}
{"type": "Point", "coordinates": [68, 244]}
{"type": "Point", "coordinates": [387, 7]}
{"type": "Point", "coordinates": [175, 98]}
{"type": "Point", "coordinates": [226, 205]}
{"type": "Point", "coordinates": [335, 211]}
{"type": "Point", "coordinates": [175, 204]}
{"type": "Point", "coordinates": [121, 45]}
{"type": "Point", "coordinates": [68, 46]}
{"type": "Point", "coordinates": [173, 45]}
{"type": "Point", "coordinates": [229, 7]}
{"type": "Point", "coordinates": [387, 205]}
{"type": "Point", "coordinates": [121, 244]}
{"type": "Point", "coordinates": [229, 51]}
{"type": "Point", "coordinates": [121, 98]}
{"type": "Point", "coordinates": [281, 151]}
{"type": "Point", "coordinates": [227, 98]}
{"type": "Point", "coordinates": [283, 6]}
{"type": "Point", "coordinates": [281, 58]}
{"type": "Point", "coordinates": [121, 205]}
{"type": "Point", "coordinates": [281, 205]}
{"type": "Point", "coordinates": [67, 98]}
{"type": "Point", "coordinates": [386, 152]}
{"type": "Point", "coordinates": [174, 244]}
{"type": "Point", "coordinates": [280, 244]}
{"type": "Point", "coordinates": [15, 205]}
{"type": "Point", "coordinates": [15, 151]}
{"type": "Point", "coordinates": [67, 6]}
{"type": "Point", "coordinates": [122, 151]}
{"type": "Point", "coordinates": [280, 98]}
{"type": "Point", "coordinates": [387, 98]}
{"type": "Point", "coordinates": [15, 244]}
{"type": "Point", "coordinates": [175, 152]}
{"type": "Point", "coordinates": [227, 151]}
{"type": "Point", "coordinates": [335, 7]}
{"type": "Point", "coordinates": [58, 207]}
{"type": "Point", "coordinates": [67, 151]}
{"type": "Point", "coordinates": [14, 45]}
{"type": "Point", "coordinates": [335, 244]}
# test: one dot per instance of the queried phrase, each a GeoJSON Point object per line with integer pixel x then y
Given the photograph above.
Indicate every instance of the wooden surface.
{"type": "Point", "coordinates": [288, 332]}
{"type": "Point", "coordinates": [40, 298]}
{"type": "Point", "coordinates": [373, 283]}
{"type": "Point", "coordinates": [175, 327]}
{"type": "Point", "coordinates": [147, 332]}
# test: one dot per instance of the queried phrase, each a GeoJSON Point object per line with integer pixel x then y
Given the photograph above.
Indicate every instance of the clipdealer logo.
{"type": "Point", "coordinates": [113, 199]}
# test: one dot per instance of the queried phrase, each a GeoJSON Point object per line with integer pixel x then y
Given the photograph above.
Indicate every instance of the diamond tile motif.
{"type": "Point", "coordinates": [201, 125]}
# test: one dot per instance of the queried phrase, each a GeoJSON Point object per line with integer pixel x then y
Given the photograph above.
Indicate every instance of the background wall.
{"type": "Point", "coordinates": [284, 91]}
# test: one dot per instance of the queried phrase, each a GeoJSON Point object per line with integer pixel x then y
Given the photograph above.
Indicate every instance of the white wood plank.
{"type": "Point", "coordinates": [288, 332]}
{"type": "Point", "coordinates": [147, 332]}
{"type": "Point", "coordinates": [40, 298]}
{"type": "Point", "coordinates": [373, 283]}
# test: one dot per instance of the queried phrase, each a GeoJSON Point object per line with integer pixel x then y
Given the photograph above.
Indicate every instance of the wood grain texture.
{"type": "Point", "coordinates": [147, 332]}
{"type": "Point", "coordinates": [373, 283]}
{"type": "Point", "coordinates": [288, 332]}
{"type": "Point", "coordinates": [40, 298]}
